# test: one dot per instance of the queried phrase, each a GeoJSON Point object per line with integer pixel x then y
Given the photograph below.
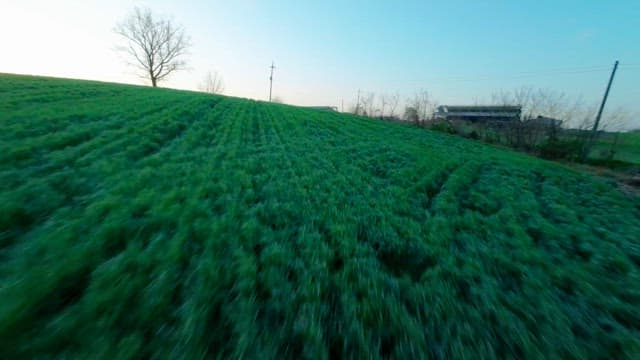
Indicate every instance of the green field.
{"type": "Point", "coordinates": [627, 148]}
{"type": "Point", "coordinates": [152, 223]}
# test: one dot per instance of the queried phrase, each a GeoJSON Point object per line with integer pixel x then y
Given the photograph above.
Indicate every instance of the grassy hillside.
{"type": "Point", "coordinates": [140, 222]}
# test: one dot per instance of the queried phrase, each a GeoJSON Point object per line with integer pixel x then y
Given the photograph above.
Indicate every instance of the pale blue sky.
{"type": "Point", "coordinates": [460, 51]}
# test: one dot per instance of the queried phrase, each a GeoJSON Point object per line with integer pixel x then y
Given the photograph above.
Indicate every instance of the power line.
{"type": "Point", "coordinates": [523, 74]}
{"type": "Point", "coordinates": [566, 69]}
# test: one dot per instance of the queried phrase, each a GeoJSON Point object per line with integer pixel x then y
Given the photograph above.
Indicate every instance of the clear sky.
{"type": "Point", "coordinates": [324, 51]}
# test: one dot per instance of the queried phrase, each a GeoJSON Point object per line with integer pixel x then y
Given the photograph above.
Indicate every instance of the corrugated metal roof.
{"type": "Point", "coordinates": [479, 108]}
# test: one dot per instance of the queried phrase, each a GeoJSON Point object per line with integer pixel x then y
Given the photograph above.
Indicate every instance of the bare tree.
{"type": "Point", "coordinates": [368, 104]}
{"type": "Point", "coordinates": [541, 102]}
{"type": "Point", "coordinates": [614, 123]}
{"type": "Point", "coordinates": [156, 45]}
{"type": "Point", "coordinates": [411, 114]}
{"type": "Point", "coordinates": [573, 112]}
{"type": "Point", "coordinates": [536, 102]}
{"type": "Point", "coordinates": [616, 119]}
{"type": "Point", "coordinates": [384, 100]}
{"type": "Point", "coordinates": [393, 101]}
{"type": "Point", "coordinates": [212, 83]}
{"type": "Point", "coordinates": [423, 104]}
{"type": "Point", "coordinates": [389, 101]}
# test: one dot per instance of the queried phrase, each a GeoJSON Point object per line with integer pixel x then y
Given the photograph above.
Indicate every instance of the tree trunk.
{"type": "Point", "coordinates": [153, 79]}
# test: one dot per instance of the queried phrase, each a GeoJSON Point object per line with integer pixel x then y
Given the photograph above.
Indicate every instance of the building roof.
{"type": "Point", "coordinates": [478, 112]}
{"type": "Point", "coordinates": [479, 108]}
{"type": "Point", "coordinates": [545, 120]}
{"type": "Point", "coordinates": [326, 108]}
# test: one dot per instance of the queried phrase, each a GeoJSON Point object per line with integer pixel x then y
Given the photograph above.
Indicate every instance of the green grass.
{"type": "Point", "coordinates": [139, 222]}
{"type": "Point", "coordinates": [627, 149]}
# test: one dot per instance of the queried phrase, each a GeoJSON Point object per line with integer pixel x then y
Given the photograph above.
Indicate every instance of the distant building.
{"type": "Point", "coordinates": [325, 108]}
{"type": "Point", "coordinates": [544, 121]}
{"type": "Point", "coordinates": [478, 113]}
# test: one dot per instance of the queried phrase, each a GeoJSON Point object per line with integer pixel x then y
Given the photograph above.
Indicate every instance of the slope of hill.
{"type": "Point", "coordinates": [140, 222]}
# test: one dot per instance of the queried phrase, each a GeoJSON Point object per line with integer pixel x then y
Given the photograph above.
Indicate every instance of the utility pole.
{"type": "Point", "coordinates": [271, 81]}
{"type": "Point", "coordinates": [594, 131]}
{"type": "Point", "coordinates": [358, 103]}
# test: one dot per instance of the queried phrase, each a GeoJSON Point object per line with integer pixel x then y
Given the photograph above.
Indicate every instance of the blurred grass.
{"type": "Point", "coordinates": [139, 222]}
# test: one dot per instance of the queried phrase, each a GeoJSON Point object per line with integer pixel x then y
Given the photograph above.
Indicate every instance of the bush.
{"type": "Point", "coordinates": [560, 149]}
{"type": "Point", "coordinates": [444, 127]}
{"type": "Point", "coordinates": [473, 135]}
{"type": "Point", "coordinates": [491, 137]}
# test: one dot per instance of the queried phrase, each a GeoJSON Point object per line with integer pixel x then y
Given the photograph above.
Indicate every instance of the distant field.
{"type": "Point", "coordinates": [627, 149]}
{"type": "Point", "coordinates": [150, 223]}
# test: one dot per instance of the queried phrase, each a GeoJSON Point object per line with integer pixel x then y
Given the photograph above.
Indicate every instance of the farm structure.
{"type": "Point", "coordinates": [543, 121]}
{"type": "Point", "coordinates": [478, 113]}
{"type": "Point", "coordinates": [324, 108]}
